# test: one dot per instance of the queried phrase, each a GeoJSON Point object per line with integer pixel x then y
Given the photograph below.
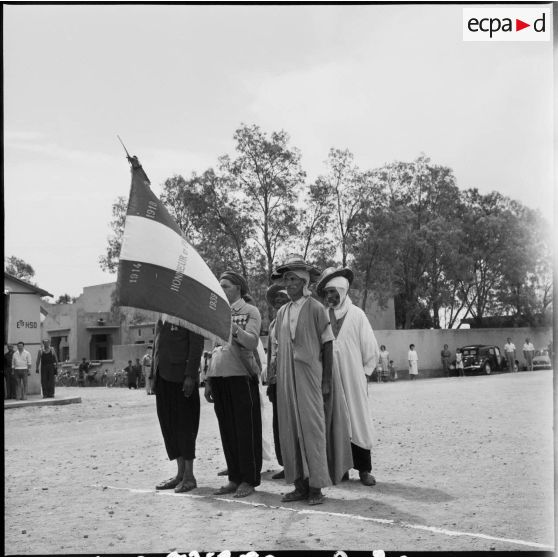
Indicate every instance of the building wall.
{"type": "Point", "coordinates": [429, 342]}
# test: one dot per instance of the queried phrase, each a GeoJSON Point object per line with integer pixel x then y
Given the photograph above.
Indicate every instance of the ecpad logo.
{"type": "Point", "coordinates": [507, 24]}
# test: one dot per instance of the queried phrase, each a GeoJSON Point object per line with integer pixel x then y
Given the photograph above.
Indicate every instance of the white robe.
{"type": "Point", "coordinates": [356, 353]}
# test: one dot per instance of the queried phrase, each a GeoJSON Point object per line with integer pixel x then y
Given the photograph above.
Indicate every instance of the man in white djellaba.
{"type": "Point", "coordinates": [355, 354]}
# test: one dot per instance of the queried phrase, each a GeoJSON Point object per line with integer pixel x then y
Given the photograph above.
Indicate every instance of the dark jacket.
{"type": "Point", "coordinates": [176, 352]}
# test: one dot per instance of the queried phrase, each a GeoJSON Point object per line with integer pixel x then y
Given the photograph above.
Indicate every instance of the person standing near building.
{"type": "Point", "coordinates": [509, 350]}
{"type": "Point", "coordinates": [9, 379]}
{"type": "Point", "coordinates": [355, 355]}
{"type": "Point", "coordinates": [146, 364]}
{"type": "Point", "coordinates": [277, 297]}
{"type": "Point", "coordinates": [131, 375]}
{"type": "Point", "coordinates": [445, 356]}
{"type": "Point", "coordinates": [383, 363]}
{"type": "Point", "coordinates": [304, 371]}
{"type": "Point", "coordinates": [528, 353]}
{"type": "Point", "coordinates": [83, 370]}
{"type": "Point", "coordinates": [232, 385]}
{"type": "Point", "coordinates": [47, 362]}
{"type": "Point", "coordinates": [176, 360]}
{"type": "Point", "coordinates": [21, 363]}
{"type": "Point", "coordinates": [459, 363]}
{"type": "Point", "coordinates": [412, 357]}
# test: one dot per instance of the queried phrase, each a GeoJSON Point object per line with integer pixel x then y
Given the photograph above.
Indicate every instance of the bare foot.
{"type": "Point", "coordinates": [244, 490]}
{"type": "Point", "coordinates": [227, 489]}
{"type": "Point", "coordinates": [170, 483]}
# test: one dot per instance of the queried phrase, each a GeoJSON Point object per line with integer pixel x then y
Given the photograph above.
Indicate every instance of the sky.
{"type": "Point", "coordinates": [387, 82]}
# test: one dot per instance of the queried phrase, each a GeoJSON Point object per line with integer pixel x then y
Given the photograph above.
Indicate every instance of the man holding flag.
{"type": "Point", "coordinates": [176, 360]}
{"type": "Point", "coordinates": [159, 270]}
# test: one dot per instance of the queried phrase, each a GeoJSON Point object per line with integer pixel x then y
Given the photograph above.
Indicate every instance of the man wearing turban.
{"type": "Point", "coordinates": [355, 355]}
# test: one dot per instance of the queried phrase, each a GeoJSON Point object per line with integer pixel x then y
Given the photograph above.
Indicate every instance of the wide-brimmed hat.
{"type": "Point", "coordinates": [330, 273]}
{"type": "Point", "coordinates": [295, 262]}
{"type": "Point", "coordinates": [272, 291]}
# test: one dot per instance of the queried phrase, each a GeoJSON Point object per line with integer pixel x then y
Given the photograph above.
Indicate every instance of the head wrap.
{"type": "Point", "coordinates": [302, 274]}
{"type": "Point", "coordinates": [236, 279]}
{"type": "Point", "coordinates": [341, 285]}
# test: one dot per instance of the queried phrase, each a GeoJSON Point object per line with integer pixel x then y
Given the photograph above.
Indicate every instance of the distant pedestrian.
{"type": "Point", "coordinates": [445, 355]}
{"type": "Point", "coordinates": [392, 371]}
{"type": "Point", "coordinates": [9, 377]}
{"type": "Point", "coordinates": [528, 353]}
{"type": "Point", "coordinates": [147, 374]}
{"type": "Point", "coordinates": [131, 375]}
{"type": "Point", "coordinates": [459, 363]}
{"type": "Point", "coordinates": [83, 369]}
{"type": "Point", "coordinates": [47, 362]}
{"type": "Point", "coordinates": [21, 363]}
{"type": "Point", "coordinates": [509, 350]}
{"type": "Point", "coordinates": [383, 363]}
{"type": "Point", "coordinates": [412, 357]}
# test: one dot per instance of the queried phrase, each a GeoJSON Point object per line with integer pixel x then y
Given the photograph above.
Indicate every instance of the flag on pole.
{"type": "Point", "coordinates": [159, 270]}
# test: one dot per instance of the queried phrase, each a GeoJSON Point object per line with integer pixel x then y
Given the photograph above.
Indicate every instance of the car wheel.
{"type": "Point", "coordinates": [487, 368]}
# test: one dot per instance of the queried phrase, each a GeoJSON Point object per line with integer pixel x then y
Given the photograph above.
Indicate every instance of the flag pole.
{"type": "Point", "coordinates": [126, 151]}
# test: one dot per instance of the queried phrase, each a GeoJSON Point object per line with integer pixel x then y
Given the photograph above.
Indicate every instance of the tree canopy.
{"type": "Point", "coordinates": [406, 229]}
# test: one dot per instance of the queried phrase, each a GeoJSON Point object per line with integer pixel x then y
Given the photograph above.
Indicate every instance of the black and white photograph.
{"type": "Point", "coordinates": [278, 279]}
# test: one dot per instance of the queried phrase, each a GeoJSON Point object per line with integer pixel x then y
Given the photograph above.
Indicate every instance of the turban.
{"type": "Point", "coordinates": [341, 285]}
{"type": "Point", "coordinates": [302, 274]}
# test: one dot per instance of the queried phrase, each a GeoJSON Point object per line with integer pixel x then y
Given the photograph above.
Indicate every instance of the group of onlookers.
{"type": "Point", "coordinates": [17, 369]}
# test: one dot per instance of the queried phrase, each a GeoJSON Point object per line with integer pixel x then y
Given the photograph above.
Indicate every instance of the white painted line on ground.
{"type": "Point", "coordinates": [447, 532]}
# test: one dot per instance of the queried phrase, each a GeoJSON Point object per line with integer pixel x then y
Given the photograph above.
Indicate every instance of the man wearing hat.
{"type": "Point", "coordinates": [304, 359]}
{"type": "Point", "coordinates": [232, 385]}
{"type": "Point", "coordinates": [355, 354]}
{"type": "Point", "coordinates": [276, 296]}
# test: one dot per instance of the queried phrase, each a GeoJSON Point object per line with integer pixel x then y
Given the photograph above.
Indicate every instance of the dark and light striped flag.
{"type": "Point", "coordinates": [159, 270]}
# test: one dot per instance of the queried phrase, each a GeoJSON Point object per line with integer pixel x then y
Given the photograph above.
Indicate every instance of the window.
{"type": "Point", "coordinates": [139, 332]}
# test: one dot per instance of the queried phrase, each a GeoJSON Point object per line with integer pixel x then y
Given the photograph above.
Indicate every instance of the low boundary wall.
{"type": "Point", "coordinates": [429, 343]}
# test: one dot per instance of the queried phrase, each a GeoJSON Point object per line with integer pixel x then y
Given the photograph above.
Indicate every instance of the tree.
{"type": "Point", "coordinates": [19, 268]}
{"type": "Point", "coordinates": [265, 174]}
{"type": "Point", "coordinates": [350, 190]}
{"type": "Point", "coordinates": [109, 262]}
{"type": "Point", "coordinates": [65, 299]}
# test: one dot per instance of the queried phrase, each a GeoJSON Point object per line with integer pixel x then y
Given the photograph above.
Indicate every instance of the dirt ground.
{"type": "Point", "coordinates": [462, 464]}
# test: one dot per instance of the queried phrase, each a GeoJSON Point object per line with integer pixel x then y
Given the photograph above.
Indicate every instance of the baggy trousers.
{"type": "Point", "coordinates": [362, 459]}
{"type": "Point", "coordinates": [179, 418]}
{"type": "Point", "coordinates": [237, 406]}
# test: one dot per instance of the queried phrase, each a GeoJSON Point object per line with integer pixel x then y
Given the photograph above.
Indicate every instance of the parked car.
{"type": "Point", "coordinates": [481, 358]}
{"type": "Point", "coordinates": [541, 360]}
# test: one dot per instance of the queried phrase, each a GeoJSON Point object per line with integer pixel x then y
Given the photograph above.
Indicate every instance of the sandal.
{"type": "Point", "coordinates": [294, 496]}
{"type": "Point", "coordinates": [165, 485]}
{"type": "Point", "coordinates": [227, 489]}
{"type": "Point", "coordinates": [186, 485]}
{"type": "Point", "coordinates": [315, 497]}
{"type": "Point", "coordinates": [244, 490]}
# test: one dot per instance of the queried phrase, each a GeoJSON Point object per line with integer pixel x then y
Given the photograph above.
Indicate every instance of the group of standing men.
{"type": "Point", "coordinates": [17, 369]}
{"type": "Point", "coordinates": [318, 358]}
